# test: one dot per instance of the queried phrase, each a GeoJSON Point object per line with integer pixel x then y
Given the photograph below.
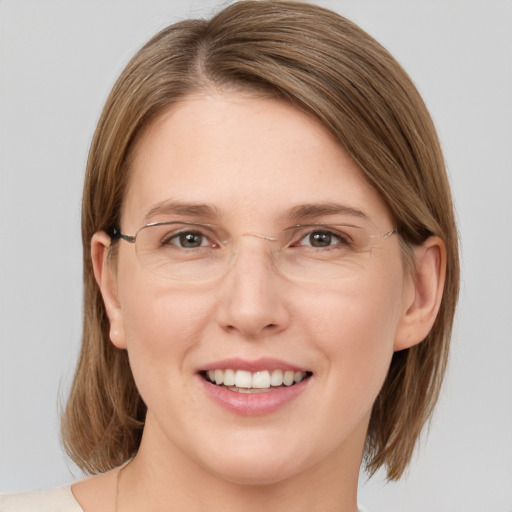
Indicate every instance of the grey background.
{"type": "Point", "coordinates": [58, 60]}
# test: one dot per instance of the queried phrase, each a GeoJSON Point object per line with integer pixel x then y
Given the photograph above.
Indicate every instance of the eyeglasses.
{"type": "Point", "coordinates": [186, 251]}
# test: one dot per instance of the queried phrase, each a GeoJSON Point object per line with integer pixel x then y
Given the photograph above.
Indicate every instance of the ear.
{"type": "Point", "coordinates": [105, 275]}
{"type": "Point", "coordinates": [423, 291]}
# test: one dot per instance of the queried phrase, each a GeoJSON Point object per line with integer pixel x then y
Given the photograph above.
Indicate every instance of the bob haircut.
{"type": "Point", "coordinates": [328, 67]}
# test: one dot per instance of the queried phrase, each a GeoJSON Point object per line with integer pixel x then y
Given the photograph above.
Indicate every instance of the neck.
{"type": "Point", "coordinates": [162, 478]}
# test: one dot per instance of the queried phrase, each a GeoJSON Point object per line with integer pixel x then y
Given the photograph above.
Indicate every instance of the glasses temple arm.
{"type": "Point", "coordinates": [115, 234]}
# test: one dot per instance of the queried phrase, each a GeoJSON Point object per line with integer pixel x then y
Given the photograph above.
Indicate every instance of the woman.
{"type": "Point", "coordinates": [270, 270]}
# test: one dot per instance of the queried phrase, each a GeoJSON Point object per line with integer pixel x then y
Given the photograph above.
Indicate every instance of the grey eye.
{"type": "Point", "coordinates": [322, 239]}
{"type": "Point", "coordinates": [189, 240]}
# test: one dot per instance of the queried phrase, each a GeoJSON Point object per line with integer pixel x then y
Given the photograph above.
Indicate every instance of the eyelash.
{"type": "Point", "coordinates": [340, 238]}
{"type": "Point", "coordinates": [173, 237]}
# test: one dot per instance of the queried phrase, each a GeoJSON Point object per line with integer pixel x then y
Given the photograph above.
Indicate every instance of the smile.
{"type": "Point", "coordinates": [243, 381]}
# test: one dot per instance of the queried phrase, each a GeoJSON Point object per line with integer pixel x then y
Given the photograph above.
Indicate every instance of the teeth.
{"type": "Point", "coordinates": [288, 378]}
{"type": "Point", "coordinates": [261, 380]}
{"type": "Point", "coordinates": [264, 379]}
{"type": "Point", "coordinates": [243, 379]}
{"type": "Point", "coordinates": [276, 379]}
{"type": "Point", "coordinates": [229, 378]}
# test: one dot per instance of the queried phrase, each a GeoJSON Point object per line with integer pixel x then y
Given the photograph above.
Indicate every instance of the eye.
{"type": "Point", "coordinates": [323, 238]}
{"type": "Point", "coordinates": [189, 240]}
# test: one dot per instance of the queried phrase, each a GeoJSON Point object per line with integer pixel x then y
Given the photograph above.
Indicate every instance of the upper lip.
{"type": "Point", "coordinates": [254, 365]}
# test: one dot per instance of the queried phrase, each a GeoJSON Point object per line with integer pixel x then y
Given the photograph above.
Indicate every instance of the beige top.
{"type": "Point", "coordinates": [57, 499]}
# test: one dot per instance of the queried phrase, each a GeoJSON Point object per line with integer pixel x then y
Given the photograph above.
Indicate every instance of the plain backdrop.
{"type": "Point", "coordinates": [58, 60]}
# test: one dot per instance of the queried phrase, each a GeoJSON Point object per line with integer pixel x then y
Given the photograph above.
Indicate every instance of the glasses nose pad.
{"type": "Point", "coordinates": [273, 253]}
{"type": "Point", "coordinates": [233, 252]}
{"type": "Point", "coordinates": [263, 237]}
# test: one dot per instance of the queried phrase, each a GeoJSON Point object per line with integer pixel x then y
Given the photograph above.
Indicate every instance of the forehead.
{"type": "Point", "coordinates": [247, 157]}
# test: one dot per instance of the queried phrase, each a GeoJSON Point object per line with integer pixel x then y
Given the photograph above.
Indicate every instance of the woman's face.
{"type": "Point", "coordinates": [252, 167]}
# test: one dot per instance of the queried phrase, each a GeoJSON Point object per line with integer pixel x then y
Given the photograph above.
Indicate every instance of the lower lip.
{"type": "Point", "coordinates": [253, 404]}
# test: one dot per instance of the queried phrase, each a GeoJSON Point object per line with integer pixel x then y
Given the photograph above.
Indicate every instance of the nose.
{"type": "Point", "coordinates": [252, 295]}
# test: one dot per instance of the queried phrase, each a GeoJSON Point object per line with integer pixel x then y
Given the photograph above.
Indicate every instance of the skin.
{"type": "Point", "coordinates": [253, 159]}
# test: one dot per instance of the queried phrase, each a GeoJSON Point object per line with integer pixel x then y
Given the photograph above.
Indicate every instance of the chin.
{"type": "Point", "coordinates": [255, 472]}
{"type": "Point", "coordinates": [256, 460]}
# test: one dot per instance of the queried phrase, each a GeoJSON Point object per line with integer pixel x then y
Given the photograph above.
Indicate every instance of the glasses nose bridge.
{"type": "Point", "coordinates": [267, 249]}
{"type": "Point", "coordinates": [263, 237]}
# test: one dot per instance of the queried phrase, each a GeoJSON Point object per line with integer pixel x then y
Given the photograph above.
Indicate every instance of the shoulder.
{"type": "Point", "coordinates": [57, 499]}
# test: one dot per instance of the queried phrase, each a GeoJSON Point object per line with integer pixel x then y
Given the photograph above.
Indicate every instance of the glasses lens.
{"type": "Point", "coordinates": [326, 252]}
{"type": "Point", "coordinates": [198, 252]}
{"type": "Point", "coordinates": [181, 251]}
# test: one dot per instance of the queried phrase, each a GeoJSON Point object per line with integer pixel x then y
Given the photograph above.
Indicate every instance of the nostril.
{"type": "Point", "coordinates": [251, 332]}
{"type": "Point", "coordinates": [251, 305]}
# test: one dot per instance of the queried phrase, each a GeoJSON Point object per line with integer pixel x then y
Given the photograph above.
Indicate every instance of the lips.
{"type": "Point", "coordinates": [253, 387]}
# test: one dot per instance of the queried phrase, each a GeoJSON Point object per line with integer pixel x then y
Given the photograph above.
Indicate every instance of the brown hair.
{"type": "Point", "coordinates": [324, 65]}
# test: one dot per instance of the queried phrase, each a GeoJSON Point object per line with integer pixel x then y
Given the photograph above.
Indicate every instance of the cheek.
{"type": "Point", "coordinates": [354, 329]}
{"type": "Point", "coordinates": [162, 327]}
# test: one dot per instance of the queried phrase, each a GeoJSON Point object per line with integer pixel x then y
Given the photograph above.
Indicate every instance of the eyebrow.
{"type": "Point", "coordinates": [304, 211]}
{"type": "Point", "coordinates": [209, 212]}
{"type": "Point", "coordinates": [169, 207]}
